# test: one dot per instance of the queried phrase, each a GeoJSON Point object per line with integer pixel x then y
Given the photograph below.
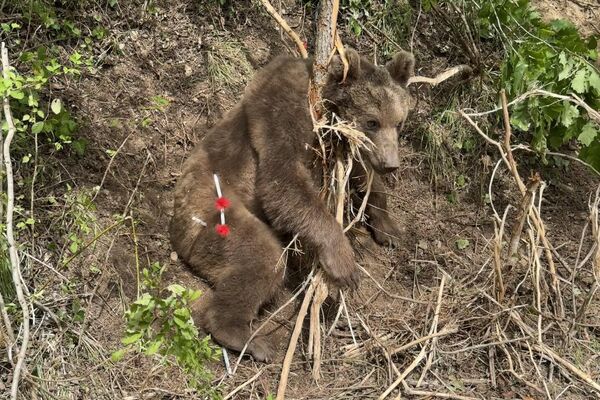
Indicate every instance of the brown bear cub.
{"type": "Point", "coordinates": [262, 152]}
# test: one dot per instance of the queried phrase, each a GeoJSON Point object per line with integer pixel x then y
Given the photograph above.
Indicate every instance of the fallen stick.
{"type": "Point", "coordinates": [289, 355]}
{"type": "Point", "coordinates": [243, 385]}
{"type": "Point", "coordinates": [523, 211]}
{"type": "Point", "coordinates": [12, 247]}
{"type": "Point", "coordinates": [424, 393]}
{"type": "Point", "coordinates": [422, 354]}
{"type": "Point", "coordinates": [447, 330]}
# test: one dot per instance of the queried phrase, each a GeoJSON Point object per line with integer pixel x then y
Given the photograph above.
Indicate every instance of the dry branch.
{"type": "Point", "coordinates": [462, 69]}
{"type": "Point", "coordinates": [505, 150]}
{"type": "Point", "coordinates": [284, 25]}
{"type": "Point", "coordinates": [318, 290]}
{"type": "Point", "coordinates": [12, 246]}
{"type": "Point", "coordinates": [447, 330]}
{"type": "Point", "coordinates": [423, 353]}
{"type": "Point", "coordinates": [289, 355]}
{"type": "Point", "coordinates": [523, 211]}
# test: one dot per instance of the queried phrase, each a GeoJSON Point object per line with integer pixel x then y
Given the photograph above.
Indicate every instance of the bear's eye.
{"type": "Point", "coordinates": [372, 124]}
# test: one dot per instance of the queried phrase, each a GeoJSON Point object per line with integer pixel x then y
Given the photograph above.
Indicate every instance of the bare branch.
{"type": "Point", "coordinates": [12, 246]}
{"type": "Point", "coordinates": [447, 74]}
{"type": "Point", "coordinates": [284, 25]}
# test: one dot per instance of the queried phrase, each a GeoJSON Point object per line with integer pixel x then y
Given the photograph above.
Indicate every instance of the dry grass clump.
{"type": "Point", "coordinates": [227, 64]}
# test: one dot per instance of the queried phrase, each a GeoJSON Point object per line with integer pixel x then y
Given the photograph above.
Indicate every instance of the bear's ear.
{"type": "Point", "coordinates": [402, 67]}
{"type": "Point", "coordinates": [336, 66]}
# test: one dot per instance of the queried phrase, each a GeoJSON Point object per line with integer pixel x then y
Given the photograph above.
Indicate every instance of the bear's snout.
{"type": "Point", "coordinates": [384, 156]}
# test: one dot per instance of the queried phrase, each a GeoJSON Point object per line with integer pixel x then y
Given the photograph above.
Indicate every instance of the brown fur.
{"type": "Point", "coordinates": [261, 152]}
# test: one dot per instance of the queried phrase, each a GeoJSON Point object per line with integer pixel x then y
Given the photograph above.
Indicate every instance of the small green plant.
{"type": "Point", "coordinates": [33, 113]}
{"type": "Point", "coordinates": [551, 56]}
{"type": "Point", "coordinates": [159, 322]}
{"type": "Point", "coordinates": [81, 221]}
{"type": "Point", "coordinates": [462, 244]}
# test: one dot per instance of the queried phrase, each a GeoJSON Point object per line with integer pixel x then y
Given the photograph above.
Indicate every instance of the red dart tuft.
{"type": "Point", "coordinates": [222, 230]}
{"type": "Point", "coordinates": [222, 203]}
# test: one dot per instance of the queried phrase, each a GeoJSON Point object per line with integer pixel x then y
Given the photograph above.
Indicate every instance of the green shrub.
{"type": "Point", "coordinates": [550, 56]}
{"type": "Point", "coordinates": [160, 323]}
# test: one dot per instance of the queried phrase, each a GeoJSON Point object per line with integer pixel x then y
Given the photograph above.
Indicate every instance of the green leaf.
{"type": "Point", "coordinates": [569, 113]}
{"type": "Point", "coordinates": [588, 134]}
{"type": "Point", "coordinates": [176, 289]}
{"type": "Point", "coordinates": [37, 127]}
{"type": "Point", "coordinates": [131, 338]}
{"type": "Point", "coordinates": [154, 346]}
{"type": "Point", "coordinates": [594, 81]}
{"type": "Point", "coordinates": [195, 294]}
{"type": "Point", "coordinates": [462, 244]}
{"type": "Point", "coordinates": [567, 66]}
{"type": "Point", "coordinates": [144, 300]}
{"type": "Point", "coordinates": [18, 95]}
{"type": "Point", "coordinates": [117, 355]}
{"type": "Point", "coordinates": [579, 83]}
{"type": "Point", "coordinates": [56, 106]}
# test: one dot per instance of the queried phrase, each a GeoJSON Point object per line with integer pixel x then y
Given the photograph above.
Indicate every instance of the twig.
{"type": "Point", "coordinates": [523, 211]}
{"type": "Point", "coordinates": [94, 239]}
{"type": "Point", "coordinates": [433, 329]}
{"type": "Point", "coordinates": [307, 281]}
{"type": "Point", "coordinates": [404, 374]}
{"type": "Point", "coordinates": [595, 115]}
{"type": "Point", "coordinates": [447, 74]}
{"type": "Point", "coordinates": [289, 355]}
{"type": "Point", "coordinates": [386, 292]}
{"type": "Point", "coordinates": [423, 351]}
{"type": "Point", "coordinates": [282, 22]}
{"type": "Point", "coordinates": [12, 247]}
{"type": "Point", "coordinates": [498, 240]}
{"type": "Point", "coordinates": [363, 205]}
{"type": "Point", "coordinates": [110, 162]}
{"type": "Point", "coordinates": [545, 349]}
{"type": "Point", "coordinates": [424, 393]}
{"type": "Point", "coordinates": [447, 330]}
{"type": "Point", "coordinates": [243, 385]}
{"type": "Point", "coordinates": [321, 289]}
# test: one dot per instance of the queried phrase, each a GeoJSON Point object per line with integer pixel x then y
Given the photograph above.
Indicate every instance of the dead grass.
{"type": "Point", "coordinates": [226, 63]}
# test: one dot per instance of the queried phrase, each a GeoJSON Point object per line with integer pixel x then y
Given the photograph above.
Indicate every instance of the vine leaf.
{"type": "Point", "coordinates": [580, 82]}
{"type": "Point", "coordinates": [588, 134]}
{"type": "Point", "coordinates": [569, 113]}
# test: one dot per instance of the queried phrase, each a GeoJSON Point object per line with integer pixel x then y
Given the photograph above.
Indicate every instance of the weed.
{"type": "Point", "coordinates": [163, 325]}
{"type": "Point", "coordinates": [227, 64]}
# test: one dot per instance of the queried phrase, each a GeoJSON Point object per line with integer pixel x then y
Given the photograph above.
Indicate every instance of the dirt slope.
{"type": "Point", "coordinates": [170, 56]}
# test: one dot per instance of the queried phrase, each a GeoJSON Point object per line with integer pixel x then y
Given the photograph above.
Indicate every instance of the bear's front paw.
{"type": "Point", "coordinates": [338, 261]}
{"type": "Point", "coordinates": [262, 349]}
{"type": "Point", "coordinates": [385, 231]}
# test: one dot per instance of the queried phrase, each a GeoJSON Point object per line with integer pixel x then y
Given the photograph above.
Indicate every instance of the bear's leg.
{"type": "Point", "coordinates": [251, 273]}
{"type": "Point", "coordinates": [385, 231]}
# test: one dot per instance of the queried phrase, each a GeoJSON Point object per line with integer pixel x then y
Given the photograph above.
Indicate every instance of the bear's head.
{"type": "Point", "coordinates": [375, 99]}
